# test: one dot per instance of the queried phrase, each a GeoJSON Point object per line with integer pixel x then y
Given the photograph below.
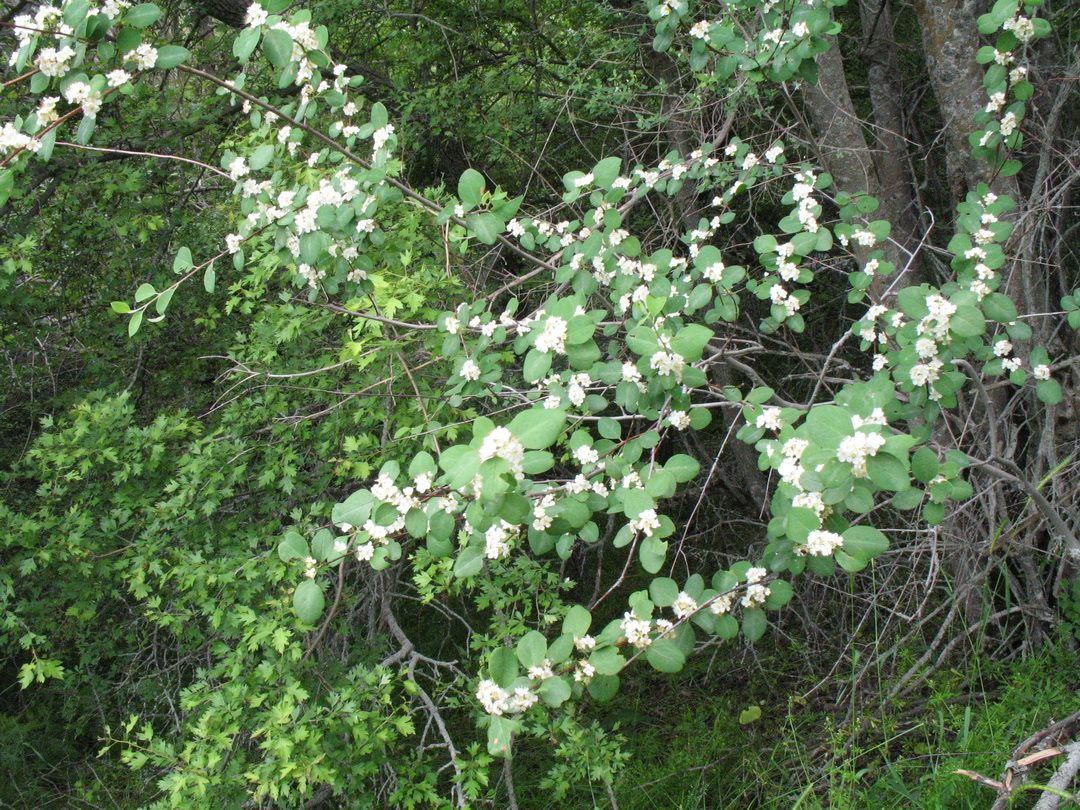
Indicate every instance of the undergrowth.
{"type": "Point", "coordinates": [695, 746]}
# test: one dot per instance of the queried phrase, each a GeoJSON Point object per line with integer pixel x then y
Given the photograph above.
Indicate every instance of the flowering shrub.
{"type": "Point", "coordinates": [581, 388]}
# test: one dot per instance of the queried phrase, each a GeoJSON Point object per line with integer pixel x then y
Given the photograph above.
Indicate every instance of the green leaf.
{"type": "Point", "coordinates": [354, 510]}
{"type": "Point", "coordinates": [183, 260]}
{"type": "Point", "coordinates": [606, 171]}
{"type": "Point", "coordinates": [577, 621]}
{"type": "Point", "coordinates": [1048, 391]}
{"type": "Point", "coordinates": [294, 546]}
{"type": "Point", "coordinates": [828, 425]}
{"type": "Point", "coordinates": [162, 302]}
{"type": "Point", "coordinates": [261, 157]}
{"type": "Point", "coordinates": [322, 545]}
{"type": "Point", "coordinates": [967, 322]}
{"type": "Point", "coordinates": [924, 464]}
{"type": "Point", "coordinates": [500, 734]}
{"type": "Point", "coordinates": [169, 56]}
{"type": "Point", "coordinates": [469, 563]}
{"type": "Point", "coordinates": [607, 661]}
{"type": "Point", "coordinates": [277, 45]}
{"type": "Point", "coordinates": [999, 308]}
{"type": "Point", "coordinates": [690, 341]}
{"type": "Point", "coordinates": [142, 15]}
{"type": "Point", "coordinates": [538, 428]}
{"type": "Point", "coordinates": [684, 468]}
{"type": "Point", "coordinates": [663, 591]}
{"type": "Point", "coordinates": [754, 623]}
{"type": "Point", "coordinates": [603, 688]}
{"type": "Point", "coordinates": [379, 115]}
{"type": "Point", "coordinates": [800, 521]}
{"type": "Point", "coordinates": [135, 323]}
{"type": "Point", "coordinates": [780, 593]}
{"type": "Point", "coordinates": [245, 43]}
{"type": "Point", "coordinates": [120, 307]}
{"type": "Point", "coordinates": [536, 366]}
{"type": "Point", "coordinates": [503, 666]}
{"type": "Point", "coordinates": [554, 691]}
{"type": "Point", "coordinates": [486, 226]}
{"type": "Point", "coordinates": [865, 540]}
{"type": "Point", "coordinates": [749, 715]}
{"type": "Point", "coordinates": [209, 279]}
{"type": "Point", "coordinates": [888, 472]}
{"type": "Point", "coordinates": [664, 655]}
{"type": "Point", "coordinates": [652, 553]}
{"type": "Point", "coordinates": [308, 601]}
{"type": "Point", "coordinates": [85, 130]}
{"type": "Point", "coordinates": [471, 187]}
{"type": "Point", "coordinates": [531, 649]}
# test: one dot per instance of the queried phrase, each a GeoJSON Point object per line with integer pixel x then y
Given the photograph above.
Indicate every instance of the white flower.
{"type": "Point", "coordinates": [522, 699]}
{"type": "Point", "coordinates": [1008, 124]}
{"type": "Point", "coordinates": [492, 697]}
{"type": "Point", "coordinates": [501, 443]}
{"type": "Point", "coordinates": [667, 364]}
{"type": "Point", "coordinates": [636, 630]}
{"type": "Point", "coordinates": [926, 348]}
{"type": "Point", "coordinates": [496, 540]}
{"type": "Point", "coordinates": [542, 671]}
{"type": "Point", "coordinates": [923, 373]}
{"type": "Point", "coordinates": [584, 671]}
{"type": "Point", "coordinates": [553, 338]}
{"type": "Point", "coordinates": [800, 29]}
{"type": "Point", "coordinates": [680, 420]}
{"type": "Point", "coordinates": [821, 543]}
{"type": "Point", "coordinates": [811, 500]}
{"type": "Point", "coordinates": [714, 272]}
{"type": "Point", "coordinates": [585, 644]}
{"type": "Point", "coordinates": [1021, 26]}
{"type": "Point", "coordinates": [754, 575]}
{"type": "Point", "coordinates": [684, 605]}
{"type": "Point", "coordinates": [46, 111]}
{"type": "Point", "coordinates": [646, 523]}
{"type": "Point", "coordinates": [880, 362]}
{"type": "Point", "coordinates": [232, 242]}
{"type": "Point", "coordinates": [144, 57]}
{"type": "Point", "coordinates": [769, 419]}
{"type": "Point", "coordinates": [586, 455]}
{"type": "Point", "coordinates": [631, 374]}
{"type": "Point", "coordinates": [311, 567]}
{"type": "Point", "coordinates": [584, 180]}
{"type": "Point", "coordinates": [238, 168]}
{"type": "Point", "coordinates": [11, 138]}
{"type": "Point", "coordinates": [54, 62]}
{"type": "Point", "coordinates": [469, 370]}
{"type": "Point", "coordinates": [118, 77]}
{"type": "Point", "coordinates": [755, 595]}
{"type": "Point", "coordinates": [1002, 348]}
{"type": "Point", "coordinates": [721, 604]}
{"type": "Point", "coordinates": [1041, 372]}
{"type": "Point", "coordinates": [381, 136]}
{"type": "Point", "coordinates": [1012, 364]}
{"type": "Point", "coordinates": [256, 15]}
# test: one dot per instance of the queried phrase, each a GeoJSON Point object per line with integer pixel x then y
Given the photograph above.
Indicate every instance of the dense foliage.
{"type": "Point", "coordinates": [483, 367]}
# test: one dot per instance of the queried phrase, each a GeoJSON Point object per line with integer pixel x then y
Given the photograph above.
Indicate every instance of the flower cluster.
{"type": "Point", "coordinates": [501, 443]}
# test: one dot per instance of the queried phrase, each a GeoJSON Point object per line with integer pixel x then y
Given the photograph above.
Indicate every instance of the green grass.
{"type": "Point", "coordinates": [688, 750]}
